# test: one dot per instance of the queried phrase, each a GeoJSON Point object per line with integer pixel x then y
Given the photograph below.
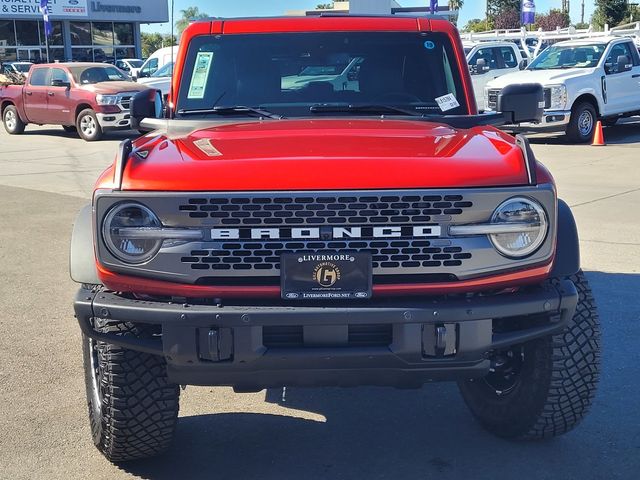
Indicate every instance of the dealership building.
{"type": "Point", "coordinates": [83, 30]}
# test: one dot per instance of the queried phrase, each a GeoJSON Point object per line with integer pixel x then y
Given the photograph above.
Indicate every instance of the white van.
{"type": "Point", "coordinates": [157, 60]}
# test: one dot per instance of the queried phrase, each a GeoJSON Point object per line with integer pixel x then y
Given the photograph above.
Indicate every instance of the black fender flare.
{"type": "Point", "coordinates": [82, 261]}
{"type": "Point", "coordinates": [567, 261]}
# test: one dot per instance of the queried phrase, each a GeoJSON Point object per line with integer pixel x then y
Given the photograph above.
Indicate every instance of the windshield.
{"type": "Point", "coordinates": [581, 56]}
{"type": "Point", "coordinates": [134, 63]}
{"type": "Point", "coordinates": [289, 73]}
{"type": "Point", "coordinates": [165, 71]}
{"type": "Point", "coordinates": [96, 74]}
{"type": "Point", "coordinates": [22, 67]}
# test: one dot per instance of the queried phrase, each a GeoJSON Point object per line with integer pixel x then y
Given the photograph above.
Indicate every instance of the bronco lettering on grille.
{"type": "Point", "coordinates": [326, 233]}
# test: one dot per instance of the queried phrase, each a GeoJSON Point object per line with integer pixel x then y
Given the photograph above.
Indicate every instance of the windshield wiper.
{"type": "Point", "coordinates": [372, 108]}
{"type": "Point", "coordinates": [232, 110]}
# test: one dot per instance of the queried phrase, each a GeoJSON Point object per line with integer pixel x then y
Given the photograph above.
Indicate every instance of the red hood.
{"type": "Point", "coordinates": [327, 154]}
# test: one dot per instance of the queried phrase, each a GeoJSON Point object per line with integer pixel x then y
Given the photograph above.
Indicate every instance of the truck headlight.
{"type": "Point", "coordinates": [558, 97]}
{"type": "Point", "coordinates": [107, 99]}
{"type": "Point", "coordinates": [121, 232]}
{"type": "Point", "coordinates": [528, 222]}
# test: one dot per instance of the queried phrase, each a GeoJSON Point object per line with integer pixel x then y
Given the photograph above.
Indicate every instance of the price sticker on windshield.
{"type": "Point", "coordinates": [200, 75]}
{"type": "Point", "coordinates": [447, 102]}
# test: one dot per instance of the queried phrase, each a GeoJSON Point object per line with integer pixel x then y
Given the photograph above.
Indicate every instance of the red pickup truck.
{"type": "Point", "coordinates": [379, 231]}
{"type": "Point", "coordinates": [87, 97]}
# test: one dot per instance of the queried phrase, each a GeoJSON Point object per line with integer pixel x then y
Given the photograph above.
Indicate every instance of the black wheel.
{"type": "Point", "coordinates": [133, 409]}
{"type": "Point", "coordinates": [582, 123]}
{"type": "Point", "coordinates": [545, 387]}
{"type": "Point", "coordinates": [69, 128]}
{"type": "Point", "coordinates": [88, 127]}
{"type": "Point", "coordinates": [13, 124]}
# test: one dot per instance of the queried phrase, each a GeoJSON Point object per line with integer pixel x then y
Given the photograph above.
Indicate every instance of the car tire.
{"type": "Point", "coordinates": [13, 124]}
{"type": "Point", "coordinates": [551, 383]}
{"type": "Point", "coordinates": [70, 128]}
{"type": "Point", "coordinates": [133, 409]}
{"type": "Point", "coordinates": [88, 126]}
{"type": "Point", "coordinates": [582, 124]}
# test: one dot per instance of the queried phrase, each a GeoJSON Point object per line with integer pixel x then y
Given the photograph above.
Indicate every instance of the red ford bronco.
{"type": "Point", "coordinates": [373, 230]}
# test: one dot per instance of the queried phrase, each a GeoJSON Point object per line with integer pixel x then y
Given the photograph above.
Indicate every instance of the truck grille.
{"type": "Point", "coordinates": [125, 102]}
{"type": "Point", "coordinates": [318, 210]}
{"type": "Point", "coordinates": [385, 254]}
{"type": "Point", "coordinates": [493, 93]}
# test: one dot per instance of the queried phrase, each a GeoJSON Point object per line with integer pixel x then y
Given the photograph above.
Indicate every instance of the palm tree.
{"type": "Point", "coordinates": [189, 15]}
{"type": "Point", "coordinates": [455, 5]}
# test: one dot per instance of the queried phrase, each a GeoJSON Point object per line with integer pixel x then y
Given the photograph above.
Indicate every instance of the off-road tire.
{"type": "Point", "coordinates": [133, 409]}
{"type": "Point", "coordinates": [11, 120]}
{"type": "Point", "coordinates": [88, 126]}
{"type": "Point", "coordinates": [574, 131]}
{"type": "Point", "coordinates": [557, 382]}
{"type": "Point", "coordinates": [70, 128]}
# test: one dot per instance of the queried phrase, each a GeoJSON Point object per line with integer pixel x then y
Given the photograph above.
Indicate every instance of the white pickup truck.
{"type": "Point", "coordinates": [490, 60]}
{"type": "Point", "coordinates": [584, 81]}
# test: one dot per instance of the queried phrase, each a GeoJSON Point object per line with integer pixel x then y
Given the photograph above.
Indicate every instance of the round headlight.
{"type": "Point", "coordinates": [530, 227]}
{"type": "Point", "coordinates": [130, 248]}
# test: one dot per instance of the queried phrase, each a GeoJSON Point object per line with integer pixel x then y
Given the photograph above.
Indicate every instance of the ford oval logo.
{"type": "Point", "coordinates": [73, 2]}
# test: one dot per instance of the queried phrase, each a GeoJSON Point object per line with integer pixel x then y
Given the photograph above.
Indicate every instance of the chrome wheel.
{"type": "Point", "coordinates": [585, 123]}
{"type": "Point", "coordinates": [10, 119]}
{"type": "Point", "coordinates": [88, 126]}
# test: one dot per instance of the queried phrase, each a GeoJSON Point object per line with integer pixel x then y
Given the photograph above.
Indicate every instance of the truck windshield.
{"type": "Point", "coordinates": [557, 57]}
{"type": "Point", "coordinates": [87, 75]}
{"type": "Point", "coordinates": [290, 73]}
{"type": "Point", "coordinates": [22, 67]}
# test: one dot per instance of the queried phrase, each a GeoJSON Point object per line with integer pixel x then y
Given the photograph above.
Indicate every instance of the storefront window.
{"type": "Point", "coordinates": [56, 36]}
{"type": "Point", "coordinates": [104, 54]}
{"type": "Point", "coordinates": [102, 33]}
{"type": "Point", "coordinates": [56, 54]}
{"type": "Point", "coordinates": [80, 33]}
{"type": "Point", "coordinates": [8, 54]}
{"type": "Point", "coordinates": [27, 33]}
{"type": "Point", "coordinates": [123, 33]}
{"type": "Point", "coordinates": [125, 53]}
{"type": "Point", "coordinates": [82, 54]}
{"type": "Point", "coordinates": [7, 33]}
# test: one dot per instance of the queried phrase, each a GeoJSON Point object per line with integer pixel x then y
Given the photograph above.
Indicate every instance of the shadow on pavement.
{"type": "Point", "coordinates": [626, 131]}
{"type": "Point", "coordinates": [59, 132]}
{"type": "Point", "coordinates": [420, 434]}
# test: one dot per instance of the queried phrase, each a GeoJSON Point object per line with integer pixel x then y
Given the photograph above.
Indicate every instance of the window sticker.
{"type": "Point", "coordinates": [200, 74]}
{"type": "Point", "coordinates": [447, 102]}
{"type": "Point", "coordinates": [429, 45]}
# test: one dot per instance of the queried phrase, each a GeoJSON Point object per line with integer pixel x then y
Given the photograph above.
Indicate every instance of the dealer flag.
{"type": "Point", "coordinates": [528, 14]}
{"type": "Point", "coordinates": [44, 10]}
{"type": "Point", "coordinates": [434, 6]}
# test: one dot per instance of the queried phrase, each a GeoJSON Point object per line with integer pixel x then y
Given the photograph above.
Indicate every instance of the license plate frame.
{"type": "Point", "coordinates": [326, 275]}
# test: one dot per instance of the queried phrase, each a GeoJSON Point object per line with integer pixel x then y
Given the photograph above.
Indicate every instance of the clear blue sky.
{"type": "Point", "coordinates": [243, 8]}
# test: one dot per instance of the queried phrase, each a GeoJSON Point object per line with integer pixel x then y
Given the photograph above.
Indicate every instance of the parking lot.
{"type": "Point", "coordinates": [46, 175]}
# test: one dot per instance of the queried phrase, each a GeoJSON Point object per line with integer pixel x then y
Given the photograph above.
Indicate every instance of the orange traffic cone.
{"type": "Point", "coordinates": [598, 137]}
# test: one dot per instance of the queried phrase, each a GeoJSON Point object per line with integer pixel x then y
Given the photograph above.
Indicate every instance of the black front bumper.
{"type": "Point", "coordinates": [400, 342]}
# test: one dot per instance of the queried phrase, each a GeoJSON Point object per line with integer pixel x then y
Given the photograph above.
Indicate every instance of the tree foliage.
{"type": "Point", "coordinates": [151, 42]}
{"type": "Point", "coordinates": [475, 25]}
{"type": "Point", "coordinates": [498, 7]}
{"type": "Point", "coordinates": [507, 19]}
{"type": "Point", "coordinates": [324, 6]}
{"type": "Point", "coordinates": [189, 15]}
{"type": "Point", "coordinates": [554, 19]}
{"type": "Point", "coordinates": [610, 12]}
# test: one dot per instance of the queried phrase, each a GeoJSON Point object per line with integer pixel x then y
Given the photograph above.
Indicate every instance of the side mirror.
{"type": "Point", "coordinates": [480, 67]}
{"type": "Point", "coordinates": [60, 83]}
{"type": "Point", "coordinates": [143, 73]}
{"type": "Point", "coordinates": [623, 64]}
{"type": "Point", "coordinates": [523, 64]}
{"type": "Point", "coordinates": [521, 103]}
{"type": "Point", "coordinates": [145, 104]}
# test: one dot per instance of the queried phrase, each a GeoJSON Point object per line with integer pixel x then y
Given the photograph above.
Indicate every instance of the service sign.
{"type": "Point", "coordinates": [57, 8]}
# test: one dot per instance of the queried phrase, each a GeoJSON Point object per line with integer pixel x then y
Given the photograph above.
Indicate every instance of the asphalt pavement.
{"type": "Point", "coordinates": [46, 175]}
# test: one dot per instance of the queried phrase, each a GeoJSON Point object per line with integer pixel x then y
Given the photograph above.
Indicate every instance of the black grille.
{"type": "Point", "coordinates": [374, 335]}
{"type": "Point", "coordinates": [492, 99]}
{"type": "Point", "coordinates": [547, 98]}
{"type": "Point", "coordinates": [318, 210]}
{"type": "Point", "coordinates": [125, 102]}
{"type": "Point", "coordinates": [385, 254]}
